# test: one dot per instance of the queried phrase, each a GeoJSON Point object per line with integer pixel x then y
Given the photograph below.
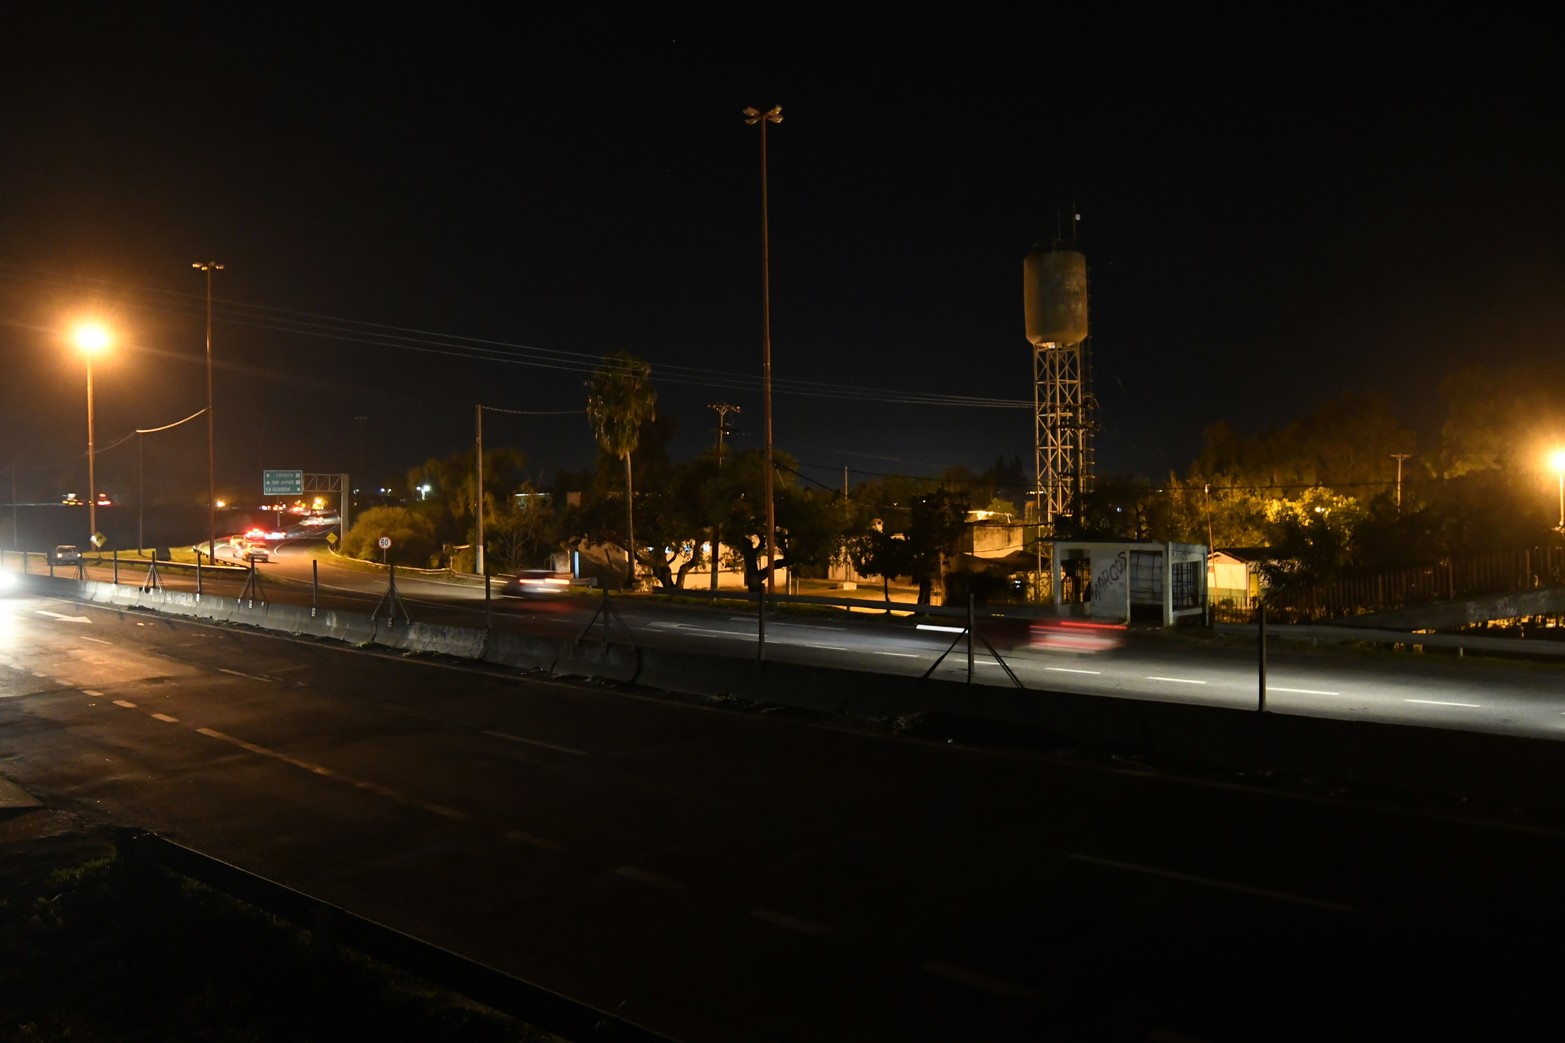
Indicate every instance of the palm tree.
{"type": "Point", "coordinates": [620, 398]}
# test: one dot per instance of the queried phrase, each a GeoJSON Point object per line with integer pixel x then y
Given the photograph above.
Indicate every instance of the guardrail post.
{"type": "Point", "coordinates": [760, 629]}
{"type": "Point", "coordinates": [115, 553]}
{"type": "Point", "coordinates": [969, 638]}
{"type": "Point", "coordinates": [315, 586]}
{"type": "Point", "coordinates": [198, 575]}
{"type": "Point", "coordinates": [1260, 706]}
{"type": "Point", "coordinates": [488, 604]}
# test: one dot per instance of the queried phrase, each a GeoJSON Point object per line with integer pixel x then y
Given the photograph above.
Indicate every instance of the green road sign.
{"type": "Point", "coordinates": [282, 483]}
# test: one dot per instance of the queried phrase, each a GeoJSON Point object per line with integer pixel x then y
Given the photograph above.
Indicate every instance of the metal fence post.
{"type": "Point", "coordinates": [488, 604]}
{"type": "Point", "coordinates": [969, 638]}
{"type": "Point", "coordinates": [315, 586]}
{"type": "Point", "coordinates": [1261, 703]}
{"type": "Point", "coordinates": [760, 630]}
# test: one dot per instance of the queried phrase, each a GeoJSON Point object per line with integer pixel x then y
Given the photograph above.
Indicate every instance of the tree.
{"type": "Point", "coordinates": [620, 398]}
{"type": "Point", "coordinates": [412, 536]}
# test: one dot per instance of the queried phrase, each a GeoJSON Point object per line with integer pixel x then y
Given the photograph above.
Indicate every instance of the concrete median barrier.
{"type": "Point", "coordinates": [521, 651]}
{"type": "Point", "coordinates": [598, 661]}
{"type": "Point", "coordinates": [436, 638]}
{"type": "Point", "coordinates": [671, 670]}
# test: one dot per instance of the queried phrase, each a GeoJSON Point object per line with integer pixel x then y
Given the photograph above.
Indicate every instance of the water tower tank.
{"type": "Point", "coordinates": [1054, 289]}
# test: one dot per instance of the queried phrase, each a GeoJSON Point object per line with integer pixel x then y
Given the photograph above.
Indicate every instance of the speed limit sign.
{"type": "Point", "coordinates": [384, 542]}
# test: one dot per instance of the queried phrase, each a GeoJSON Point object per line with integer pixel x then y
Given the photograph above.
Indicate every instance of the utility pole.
{"type": "Point", "coordinates": [1399, 457]}
{"type": "Point", "coordinates": [479, 410]}
{"type": "Point", "coordinates": [722, 409]}
{"type": "Point", "coordinates": [752, 116]}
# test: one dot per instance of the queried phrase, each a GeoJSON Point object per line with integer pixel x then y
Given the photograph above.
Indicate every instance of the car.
{"type": "Point", "coordinates": [66, 554]}
{"type": "Point", "coordinates": [251, 551]}
{"type": "Point", "coordinates": [534, 585]}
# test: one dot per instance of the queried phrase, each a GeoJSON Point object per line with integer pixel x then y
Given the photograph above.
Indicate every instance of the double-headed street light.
{"type": "Point", "coordinates": [753, 116]}
{"type": "Point", "coordinates": [93, 340]}
{"type": "Point", "coordinates": [211, 481]}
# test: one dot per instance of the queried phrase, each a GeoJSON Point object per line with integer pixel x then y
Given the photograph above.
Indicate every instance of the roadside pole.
{"type": "Point", "coordinates": [1261, 704]}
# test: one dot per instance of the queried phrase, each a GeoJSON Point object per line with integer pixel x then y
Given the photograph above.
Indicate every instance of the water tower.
{"type": "Point", "coordinates": [1054, 289]}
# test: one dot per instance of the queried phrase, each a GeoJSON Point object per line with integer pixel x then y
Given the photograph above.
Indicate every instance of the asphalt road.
{"type": "Point", "coordinates": [1441, 691]}
{"type": "Point", "coordinates": [732, 877]}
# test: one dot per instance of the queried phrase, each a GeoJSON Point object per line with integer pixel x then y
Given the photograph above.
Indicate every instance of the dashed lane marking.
{"type": "Point", "coordinates": [1301, 691]}
{"type": "Point", "coordinates": [899, 655]}
{"type": "Point", "coordinates": [641, 876]}
{"type": "Point", "coordinates": [983, 982]}
{"type": "Point", "coordinates": [536, 742]}
{"type": "Point", "coordinates": [1225, 885]}
{"type": "Point", "coordinates": [1072, 670]}
{"type": "Point", "coordinates": [522, 837]}
{"type": "Point", "coordinates": [1442, 702]}
{"type": "Point", "coordinates": [95, 640]}
{"type": "Point", "coordinates": [241, 673]}
{"type": "Point", "coordinates": [792, 923]}
{"type": "Point", "coordinates": [125, 703]}
{"type": "Point", "coordinates": [1174, 680]}
{"type": "Point", "coordinates": [165, 717]}
{"type": "Point", "coordinates": [92, 692]}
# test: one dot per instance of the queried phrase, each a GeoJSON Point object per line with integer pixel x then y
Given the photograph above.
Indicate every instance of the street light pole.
{"type": "Point", "coordinates": [92, 455]}
{"type": "Point", "coordinates": [753, 116]}
{"type": "Point", "coordinates": [211, 452]}
{"type": "Point", "coordinates": [1558, 460]}
{"type": "Point", "coordinates": [91, 340]}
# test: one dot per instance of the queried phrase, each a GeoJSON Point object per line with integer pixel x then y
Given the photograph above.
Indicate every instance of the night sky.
{"type": "Point", "coordinates": [422, 214]}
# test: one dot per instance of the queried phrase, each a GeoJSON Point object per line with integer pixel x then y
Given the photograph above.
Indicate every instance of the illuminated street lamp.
{"type": "Point", "coordinates": [1557, 461]}
{"type": "Point", "coordinates": [752, 116]}
{"type": "Point", "coordinates": [211, 455]}
{"type": "Point", "coordinates": [92, 339]}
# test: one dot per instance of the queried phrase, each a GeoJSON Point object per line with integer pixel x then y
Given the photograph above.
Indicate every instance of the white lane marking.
{"type": "Point", "coordinates": [40, 676]}
{"type": "Point", "coordinates": [94, 640]}
{"type": "Point", "coordinates": [976, 980]}
{"type": "Point", "coordinates": [641, 876]}
{"type": "Point", "coordinates": [125, 703]}
{"type": "Point", "coordinates": [165, 717]}
{"type": "Point", "coordinates": [527, 838]}
{"type": "Point", "coordinates": [1259, 892]}
{"type": "Point", "coordinates": [828, 648]}
{"type": "Point", "coordinates": [62, 618]}
{"type": "Point", "coordinates": [1173, 680]}
{"type": "Point", "coordinates": [536, 742]}
{"type": "Point", "coordinates": [793, 923]}
{"type": "Point", "coordinates": [240, 673]}
{"type": "Point", "coordinates": [1072, 670]}
{"type": "Point", "coordinates": [692, 629]}
{"type": "Point", "coordinates": [442, 810]}
{"type": "Point", "coordinates": [1441, 702]}
{"type": "Point", "coordinates": [92, 692]}
{"type": "Point", "coordinates": [908, 655]}
{"type": "Point", "coordinates": [1301, 691]}
{"type": "Point", "coordinates": [800, 626]}
{"type": "Point", "coordinates": [938, 629]}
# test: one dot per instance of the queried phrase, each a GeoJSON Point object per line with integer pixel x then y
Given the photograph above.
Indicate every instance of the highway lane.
{"type": "Point", "coordinates": [721, 876]}
{"type": "Point", "coordinates": [1434, 691]}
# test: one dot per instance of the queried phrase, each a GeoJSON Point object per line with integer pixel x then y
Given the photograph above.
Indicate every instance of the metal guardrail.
{"type": "Point", "coordinates": [330, 926]}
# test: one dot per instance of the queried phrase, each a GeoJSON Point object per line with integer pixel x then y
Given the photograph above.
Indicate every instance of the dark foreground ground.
{"type": "Point", "coordinates": [91, 954]}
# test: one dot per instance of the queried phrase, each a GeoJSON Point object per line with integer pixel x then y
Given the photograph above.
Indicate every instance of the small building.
{"type": "Point", "coordinates": [1162, 582]}
{"type": "Point", "coordinates": [1234, 579]}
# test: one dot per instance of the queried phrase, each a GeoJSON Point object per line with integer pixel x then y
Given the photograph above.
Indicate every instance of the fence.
{"type": "Point", "coordinates": [1506, 572]}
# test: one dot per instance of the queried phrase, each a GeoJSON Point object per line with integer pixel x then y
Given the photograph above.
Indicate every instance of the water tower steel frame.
{"type": "Point", "coordinates": [1055, 304]}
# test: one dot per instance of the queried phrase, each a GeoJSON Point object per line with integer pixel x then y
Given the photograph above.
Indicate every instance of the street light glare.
{"type": "Point", "coordinates": [1557, 459]}
{"type": "Point", "coordinates": [92, 338]}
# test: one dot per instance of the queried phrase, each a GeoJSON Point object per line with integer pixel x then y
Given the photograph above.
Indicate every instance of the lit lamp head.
{"type": "Point", "coordinates": [91, 338]}
{"type": "Point", "coordinates": [1557, 460]}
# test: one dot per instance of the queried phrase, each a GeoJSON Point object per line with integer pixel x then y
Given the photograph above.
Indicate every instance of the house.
{"type": "Point", "coordinates": [1234, 579]}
